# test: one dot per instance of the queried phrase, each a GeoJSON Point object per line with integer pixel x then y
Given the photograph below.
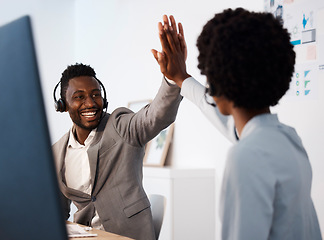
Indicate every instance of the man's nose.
{"type": "Point", "coordinates": [89, 101]}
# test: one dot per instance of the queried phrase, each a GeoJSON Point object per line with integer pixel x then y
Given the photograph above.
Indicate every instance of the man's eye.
{"type": "Point", "coordinates": [96, 95]}
{"type": "Point", "coordinates": [78, 97]}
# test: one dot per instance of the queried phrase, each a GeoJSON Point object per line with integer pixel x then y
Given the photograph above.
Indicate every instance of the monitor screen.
{"type": "Point", "coordinates": [30, 206]}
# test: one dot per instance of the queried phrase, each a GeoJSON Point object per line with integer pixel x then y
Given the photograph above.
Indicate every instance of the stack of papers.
{"type": "Point", "coordinates": [75, 230]}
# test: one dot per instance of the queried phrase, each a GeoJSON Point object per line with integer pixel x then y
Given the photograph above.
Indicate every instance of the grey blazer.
{"type": "Point", "coordinates": [116, 161]}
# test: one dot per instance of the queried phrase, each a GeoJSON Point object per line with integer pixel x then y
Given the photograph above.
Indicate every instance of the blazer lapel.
{"type": "Point", "coordinates": [93, 150]}
{"type": "Point", "coordinates": [93, 159]}
{"type": "Point", "coordinates": [59, 154]}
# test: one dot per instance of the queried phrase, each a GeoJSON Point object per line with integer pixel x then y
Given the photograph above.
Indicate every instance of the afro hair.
{"type": "Point", "coordinates": [247, 58]}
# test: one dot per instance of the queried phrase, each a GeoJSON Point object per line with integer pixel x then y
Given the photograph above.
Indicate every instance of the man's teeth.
{"type": "Point", "coordinates": [88, 114]}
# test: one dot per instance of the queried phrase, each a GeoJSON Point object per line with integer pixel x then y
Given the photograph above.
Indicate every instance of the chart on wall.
{"type": "Point", "coordinates": [304, 20]}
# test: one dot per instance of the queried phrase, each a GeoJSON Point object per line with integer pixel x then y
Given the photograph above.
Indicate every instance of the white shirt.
{"type": "Point", "coordinates": [195, 92]}
{"type": "Point", "coordinates": [77, 168]}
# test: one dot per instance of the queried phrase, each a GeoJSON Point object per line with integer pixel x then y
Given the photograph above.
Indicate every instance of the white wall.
{"type": "Point", "coordinates": [53, 25]}
{"type": "Point", "coordinates": [115, 37]}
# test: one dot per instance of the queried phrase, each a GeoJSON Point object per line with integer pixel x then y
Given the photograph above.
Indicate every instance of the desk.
{"type": "Point", "coordinates": [102, 235]}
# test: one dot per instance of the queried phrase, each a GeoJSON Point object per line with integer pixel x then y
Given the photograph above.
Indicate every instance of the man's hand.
{"type": "Point", "coordinates": [172, 59]}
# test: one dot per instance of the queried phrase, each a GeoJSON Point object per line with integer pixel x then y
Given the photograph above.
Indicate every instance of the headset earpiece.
{"type": "Point", "coordinates": [60, 105]}
{"type": "Point", "coordinates": [105, 102]}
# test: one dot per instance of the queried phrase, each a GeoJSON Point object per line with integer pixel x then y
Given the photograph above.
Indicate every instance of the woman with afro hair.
{"type": "Point", "coordinates": [248, 61]}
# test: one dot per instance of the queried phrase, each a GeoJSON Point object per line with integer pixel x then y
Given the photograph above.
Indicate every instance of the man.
{"type": "Point", "coordinates": [99, 161]}
{"type": "Point", "coordinates": [248, 61]}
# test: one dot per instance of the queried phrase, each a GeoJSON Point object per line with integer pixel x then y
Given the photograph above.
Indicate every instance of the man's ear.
{"type": "Point", "coordinates": [66, 107]}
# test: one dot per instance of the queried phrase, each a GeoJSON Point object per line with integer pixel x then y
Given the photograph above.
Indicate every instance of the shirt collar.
{"type": "Point", "coordinates": [73, 143]}
{"type": "Point", "coordinates": [261, 120]}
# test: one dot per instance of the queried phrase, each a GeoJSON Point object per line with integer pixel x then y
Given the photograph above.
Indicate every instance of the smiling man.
{"type": "Point", "coordinates": [85, 105]}
{"type": "Point", "coordinates": [99, 161]}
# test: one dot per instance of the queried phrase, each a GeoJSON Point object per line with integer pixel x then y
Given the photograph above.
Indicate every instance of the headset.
{"type": "Point", "coordinates": [60, 105]}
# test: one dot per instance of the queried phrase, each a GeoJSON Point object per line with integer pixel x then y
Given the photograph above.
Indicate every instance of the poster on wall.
{"type": "Point", "coordinates": [304, 21]}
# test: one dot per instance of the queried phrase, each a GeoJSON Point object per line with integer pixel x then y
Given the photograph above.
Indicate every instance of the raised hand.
{"type": "Point", "coordinates": [174, 51]}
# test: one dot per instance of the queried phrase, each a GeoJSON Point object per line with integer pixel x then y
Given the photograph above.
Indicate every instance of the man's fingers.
{"type": "Point", "coordinates": [159, 57]}
{"type": "Point", "coordinates": [163, 39]}
{"type": "Point", "coordinates": [160, 28]}
{"type": "Point", "coordinates": [173, 23]}
{"type": "Point", "coordinates": [162, 62]}
{"type": "Point", "coordinates": [155, 54]}
{"type": "Point", "coordinates": [174, 33]}
{"type": "Point", "coordinates": [171, 34]}
{"type": "Point", "coordinates": [180, 29]}
{"type": "Point", "coordinates": [166, 22]}
{"type": "Point", "coordinates": [182, 40]}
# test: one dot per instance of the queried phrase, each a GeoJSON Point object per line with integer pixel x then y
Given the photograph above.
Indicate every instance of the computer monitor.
{"type": "Point", "coordinates": [30, 206]}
